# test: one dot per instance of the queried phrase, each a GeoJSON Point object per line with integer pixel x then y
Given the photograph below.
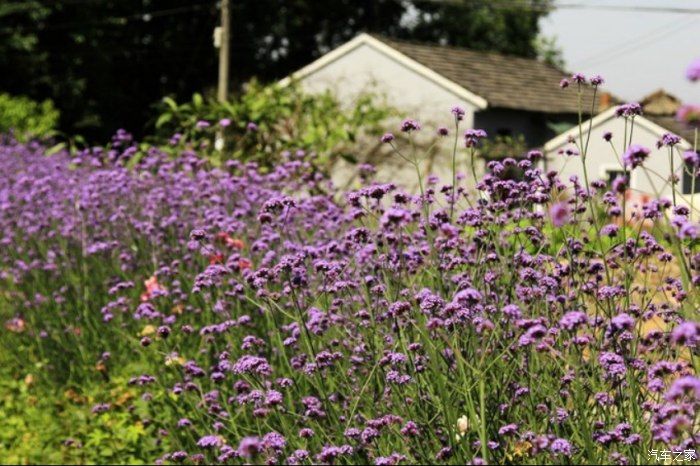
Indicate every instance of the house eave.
{"type": "Point", "coordinates": [562, 139]}
{"type": "Point", "coordinates": [365, 39]}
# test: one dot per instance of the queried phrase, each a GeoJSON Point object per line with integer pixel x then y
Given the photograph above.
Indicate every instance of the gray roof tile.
{"type": "Point", "coordinates": [504, 81]}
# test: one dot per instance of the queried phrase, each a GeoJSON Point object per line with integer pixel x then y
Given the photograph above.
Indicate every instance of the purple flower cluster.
{"type": "Point", "coordinates": [628, 110]}
{"type": "Point", "coordinates": [473, 136]}
{"type": "Point", "coordinates": [409, 125]}
{"type": "Point", "coordinates": [635, 155]}
{"type": "Point", "coordinates": [278, 320]}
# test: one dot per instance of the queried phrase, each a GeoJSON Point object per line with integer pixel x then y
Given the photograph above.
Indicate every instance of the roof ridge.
{"type": "Point", "coordinates": [489, 54]}
{"type": "Point", "coordinates": [659, 91]}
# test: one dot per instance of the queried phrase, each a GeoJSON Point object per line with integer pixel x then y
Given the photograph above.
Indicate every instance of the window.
{"type": "Point", "coordinates": [687, 187]}
{"type": "Point", "coordinates": [504, 132]}
{"type": "Point", "coordinates": [613, 173]}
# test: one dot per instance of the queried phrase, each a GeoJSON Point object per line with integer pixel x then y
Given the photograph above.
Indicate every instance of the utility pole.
{"type": "Point", "coordinates": [224, 35]}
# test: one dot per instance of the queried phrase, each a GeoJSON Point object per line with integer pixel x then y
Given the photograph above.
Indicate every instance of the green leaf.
{"type": "Point", "coordinates": [349, 158]}
{"type": "Point", "coordinates": [133, 161]}
{"type": "Point", "coordinates": [197, 100]}
{"type": "Point", "coordinates": [170, 103]}
{"type": "Point", "coordinates": [163, 119]}
{"type": "Point", "coordinates": [55, 148]}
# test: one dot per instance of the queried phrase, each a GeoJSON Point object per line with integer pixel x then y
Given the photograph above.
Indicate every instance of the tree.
{"type": "Point", "coordinates": [507, 26]}
{"type": "Point", "coordinates": [22, 62]}
{"type": "Point", "coordinates": [105, 62]}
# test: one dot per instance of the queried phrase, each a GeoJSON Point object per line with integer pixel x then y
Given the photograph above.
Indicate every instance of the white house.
{"type": "Point", "coordinates": [603, 163]}
{"type": "Point", "coordinates": [504, 95]}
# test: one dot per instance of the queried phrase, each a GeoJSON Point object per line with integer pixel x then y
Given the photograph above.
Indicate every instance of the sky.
{"type": "Point", "coordinates": [637, 52]}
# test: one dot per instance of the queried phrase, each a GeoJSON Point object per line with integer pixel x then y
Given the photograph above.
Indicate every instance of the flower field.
{"type": "Point", "coordinates": [187, 313]}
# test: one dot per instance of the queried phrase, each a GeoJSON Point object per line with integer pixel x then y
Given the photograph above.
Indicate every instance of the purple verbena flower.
{"type": "Point", "coordinates": [693, 70]}
{"type": "Point", "coordinates": [597, 80]}
{"type": "Point", "coordinates": [409, 125]}
{"type": "Point", "coordinates": [473, 136]}
{"type": "Point", "coordinates": [635, 155]}
{"type": "Point", "coordinates": [458, 112]}
{"type": "Point", "coordinates": [559, 214]}
{"type": "Point", "coordinates": [561, 446]}
{"type": "Point", "coordinates": [578, 78]}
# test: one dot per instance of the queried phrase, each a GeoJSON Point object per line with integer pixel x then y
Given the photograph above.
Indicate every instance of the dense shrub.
{"type": "Point", "coordinates": [25, 118]}
{"type": "Point", "coordinates": [260, 317]}
{"type": "Point", "coordinates": [266, 120]}
{"type": "Point", "coordinates": [54, 425]}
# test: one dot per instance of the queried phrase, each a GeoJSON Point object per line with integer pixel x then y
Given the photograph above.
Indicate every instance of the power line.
{"type": "Point", "coordinates": [121, 20]}
{"type": "Point", "coordinates": [664, 31]}
{"type": "Point", "coordinates": [640, 43]}
{"type": "Point", "coordinates": [637, 8]}
{"type": "Point", "coordinates": [630, 41]}
{"type": "Point", "coordinates": [530, 5]}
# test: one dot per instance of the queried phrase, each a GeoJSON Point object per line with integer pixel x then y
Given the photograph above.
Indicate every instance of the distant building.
{"type": "Point", "coordinates": [505, 95]}
{"type": "Point", "coordinates": [658, 118]}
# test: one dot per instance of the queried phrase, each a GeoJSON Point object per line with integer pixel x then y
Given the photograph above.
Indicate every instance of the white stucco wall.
{"type": "Point", "coordinates": [367, 69]}
{"type": "Point", "coordinates": [651, 179]}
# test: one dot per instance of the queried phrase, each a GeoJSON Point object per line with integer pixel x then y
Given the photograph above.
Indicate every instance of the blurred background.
{"type": "Point", "coordinates": [103, 64]}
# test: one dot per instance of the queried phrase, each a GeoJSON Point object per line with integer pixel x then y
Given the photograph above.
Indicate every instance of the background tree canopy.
{"type": "Point", "coordinates": [106, 62]}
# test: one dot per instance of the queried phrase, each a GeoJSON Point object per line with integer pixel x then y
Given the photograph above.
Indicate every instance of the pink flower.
{"type": "Point", "coordinates": [693, 71]}
{"type": "Point", "coordinates": [559, 214]}
{"type": "Point", "coordinates": [688, 114]}
{"type": "Point", "coordinates": [152, 287]}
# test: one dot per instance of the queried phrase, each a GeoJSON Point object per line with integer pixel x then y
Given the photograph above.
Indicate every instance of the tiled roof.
{"type": "Point", "coordinates": [660, 107]}
{"type": "Point", "coordinates": [660, 103]}
{"type": "Point", "coordinates": [674, 126]}
{"type": "Point", "coordinates": [504, 81]}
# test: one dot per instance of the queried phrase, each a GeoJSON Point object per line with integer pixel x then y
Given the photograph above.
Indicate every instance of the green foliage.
{"type": "Point", "coordinates": [548, 51]}
{"type": "Point", "coordinates": [284, 118]}
{"type": "Point", "coordinates": [39, 418]}
{"type": "Point", "coordinates": [501, 147]}
{"type": "Point", "coordinates": [26, 118]}
{"type": "Point", "coordinates": [496, 26]}
{"type": "Point", "coordinates": [559, 127]}
{"type": "Point", "coordinates": [20, 48]}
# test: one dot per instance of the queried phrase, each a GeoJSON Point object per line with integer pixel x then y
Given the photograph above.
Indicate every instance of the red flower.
{"type": "Point", "coordinates": [228, 241]}
{"type": "Point", "coordinates": [216, 258]}
{"type": "Point", "coordinates": [16, 325]}
{"type": "Point", "coordinates": [244, 264]}
{"type": "Point", "coordinates": [152, 286]}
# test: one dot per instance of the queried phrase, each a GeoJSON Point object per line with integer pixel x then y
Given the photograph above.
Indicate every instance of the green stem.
{"type": "Point", "coordinates": [454, 172]}
{"type": "Point", "coordinates": [482, 417]}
